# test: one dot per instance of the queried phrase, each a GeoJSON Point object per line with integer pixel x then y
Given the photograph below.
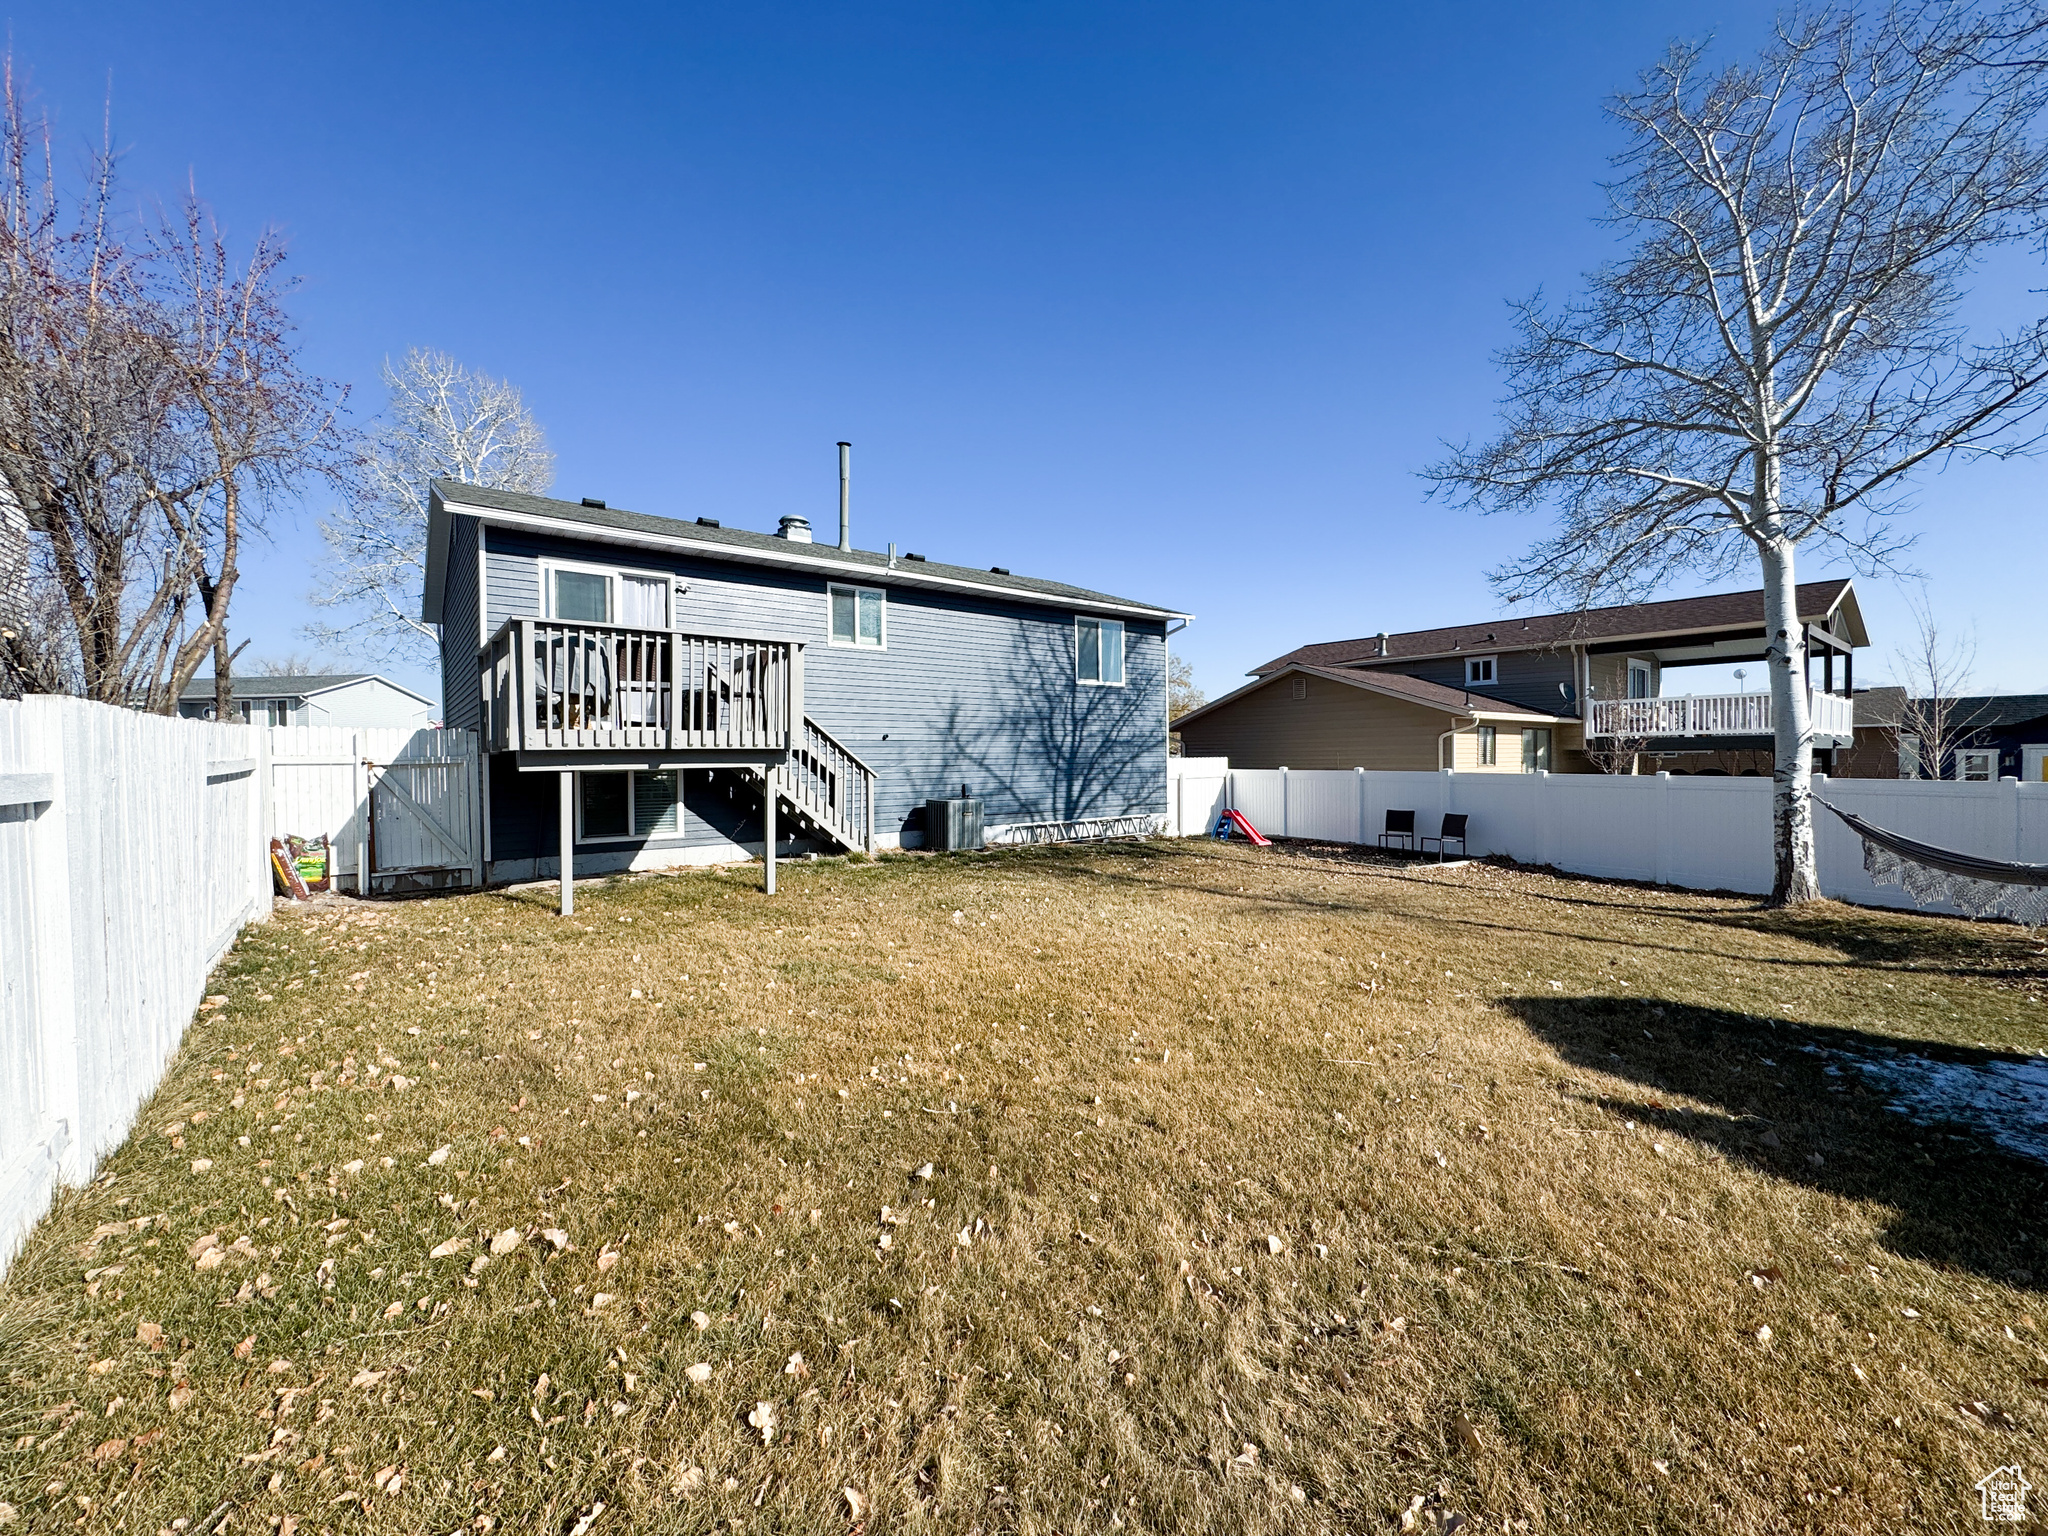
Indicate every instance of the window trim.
{"type": "Point", "coordinates": [856, 644]}
{"type": "Point", "coordinates": [1123, 653]}
{"type": "Point", "coordinates": [632, 834]}
{"type": "Point", "coordinates": [549, 564]}
{"type": "Point", "coordinates": [1963, 757]}
{"type": "Point", "coordinates": [1472, 666]}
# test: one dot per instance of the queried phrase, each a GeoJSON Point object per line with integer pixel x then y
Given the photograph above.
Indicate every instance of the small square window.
{"type": "Point", "coordinates": [1479, 669]}
{"type": "Point", "coordinates": [857, 616]}
{"type": "Point", "coordinates": [1489, 746]}
{"type": "Point", "coordinates": [1980, 767]}
{"type": "Point", "coordinates": [1099, 651]}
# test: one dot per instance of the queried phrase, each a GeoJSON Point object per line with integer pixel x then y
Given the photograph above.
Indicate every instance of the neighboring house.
{"type": "Point", "coordinates": [1993, 736]}
{"type": "Point", "coordinates": [346, 698]}
{"type": "Point", "coordinates": [1566, 692]}
{"type": "Point", "coordinates": [651, 675]}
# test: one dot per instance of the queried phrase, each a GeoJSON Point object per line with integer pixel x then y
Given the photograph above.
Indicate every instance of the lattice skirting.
{"type": "Point", "coordinates": [1090, 829]}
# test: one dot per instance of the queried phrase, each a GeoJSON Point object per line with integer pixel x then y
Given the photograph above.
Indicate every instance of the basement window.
{"type": "Point", "coordinates": [858, 617]}
{"type": "Point", "coordinates": [615, 807]}
{"type": "Point", "coordinates": [1099, 652]}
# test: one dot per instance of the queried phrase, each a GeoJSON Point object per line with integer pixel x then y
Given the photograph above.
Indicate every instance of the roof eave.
{"type": "Point", "coordinates": [902, 573]}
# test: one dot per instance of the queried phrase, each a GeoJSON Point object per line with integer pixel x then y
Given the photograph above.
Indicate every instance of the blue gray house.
{"type": "Point", "coordinates": [656, 691]}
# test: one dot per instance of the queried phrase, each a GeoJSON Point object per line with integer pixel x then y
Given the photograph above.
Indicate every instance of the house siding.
{"type": "Point", "coordinates": [1335, 725]}
{"type": "Point", "coordinates": [970, 690]}
{"type": "Point", "coordinates": [1530, 679]}
{"type": "Point", "coordinates": [369, 703]}
{"type": "Point", "coordinates": [461, 683]}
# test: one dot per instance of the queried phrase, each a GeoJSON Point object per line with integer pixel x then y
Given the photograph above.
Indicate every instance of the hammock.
{"type": "Point", "coordinates": [1979, 887]}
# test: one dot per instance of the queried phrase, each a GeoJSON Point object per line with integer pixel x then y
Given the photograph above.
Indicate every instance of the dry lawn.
{"type": "Point", "coordinates": [1268, 1191]}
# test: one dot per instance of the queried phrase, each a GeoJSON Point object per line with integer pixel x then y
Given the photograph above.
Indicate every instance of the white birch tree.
{"type": "Point", "coordinates": [1782, 342]}
{"type": "Point", "coordinates": [446, 422]}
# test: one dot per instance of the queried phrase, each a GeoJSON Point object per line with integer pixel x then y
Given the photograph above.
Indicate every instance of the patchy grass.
{"type": "Point", "coordinates": [1269, 1191]}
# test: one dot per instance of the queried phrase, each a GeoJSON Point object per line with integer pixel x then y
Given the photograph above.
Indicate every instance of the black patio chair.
{"type": "Point", "coordinates": [1452, 831]}
{"type": "Point", "coordinates": [1400, 830]}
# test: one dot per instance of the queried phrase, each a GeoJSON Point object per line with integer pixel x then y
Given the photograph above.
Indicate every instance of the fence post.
{"type": "Point", "coordinates": [1545, 817]}
{"type": "Point", "coordinates": [260, 791]}
{"type": "Point", "coordinates": [1283, 800]}
{"type": "Point", "coordinates": [1359, 774]}
{"type": "Point", "coordinates": [1661, 868]}
{"type": "Point", "coordinates": [56, 956]}
{"type": "Point", "coordinates": [2009, 791]}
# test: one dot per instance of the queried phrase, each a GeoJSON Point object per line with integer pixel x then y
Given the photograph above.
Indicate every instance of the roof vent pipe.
{"type": "Point", "coordinates": [846, 496]}
{"type": "Point", "coordinates": [1383, 642]}
{"type": "Point", "coordinates": [795, 529]}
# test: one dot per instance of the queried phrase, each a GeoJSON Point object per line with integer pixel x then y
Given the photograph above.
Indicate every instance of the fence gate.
{"type": "Point", "coordinates": [403, 802]}
{"type": "Point", "coordinates": [424, 828]}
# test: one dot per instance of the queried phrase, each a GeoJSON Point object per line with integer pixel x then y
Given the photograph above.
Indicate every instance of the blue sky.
{"type": "Point", "coordinates": [1172, 301]}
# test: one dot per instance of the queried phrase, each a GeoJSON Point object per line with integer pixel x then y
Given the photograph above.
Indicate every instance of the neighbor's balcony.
{"type": "Point", "coordinates": [1710, 715]}
{"type": "Point", "coordinates": [556, 685]}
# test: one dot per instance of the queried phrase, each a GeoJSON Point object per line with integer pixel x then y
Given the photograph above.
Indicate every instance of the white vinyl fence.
{"type": "Point", "coordinates": [1702, 833]}
{"type": "Point", "coordinates": [131, 854]}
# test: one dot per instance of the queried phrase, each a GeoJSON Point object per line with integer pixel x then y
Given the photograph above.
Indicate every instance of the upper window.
{"type": "Point", "coordinates": [1981, 766]}
{"type": "Point", "coordinates": [594, 594]}
{"type": "Point", "coordinates": [1099, 651]}
{"type": "Point", "coordinates": [1479, 669]}
{"type": "Point", "coordinates": [859, 616]}
{"type": "Point", "coordinates": [1640, 679]}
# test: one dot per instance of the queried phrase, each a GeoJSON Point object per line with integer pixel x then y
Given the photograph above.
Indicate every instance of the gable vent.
{"type": "Point", "coordinates": [1300, 689]}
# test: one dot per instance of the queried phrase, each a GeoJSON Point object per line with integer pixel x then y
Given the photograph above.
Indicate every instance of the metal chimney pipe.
{"type": "Point", "coordinates": [845, 496]}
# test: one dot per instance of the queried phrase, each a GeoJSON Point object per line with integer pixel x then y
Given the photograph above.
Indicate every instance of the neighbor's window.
{"type": "Point", "coordinates": [1489, 746]}
{"type": "Point", "coordinates": [857, 616]}
{"type": "Point", "coordinates": [1640, 679]}
{"type": "Point", "coordinates": [1099, 651]}
{"type": "Point", "coordinates": [1478, 669]}
{"type": "Point", "coordinates": [1979, 766]}
{"type": "Point", "coordinates": [1536, 751]}
{"type": "Point", "coordinates": [628, 805]}
{"type": "Point", "coordinates": [1909, 755]}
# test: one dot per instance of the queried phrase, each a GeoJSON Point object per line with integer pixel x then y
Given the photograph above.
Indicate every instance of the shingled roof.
{"type": "Point", "coordinates": [1416, 690]}
{"type": "Point", "coordinates": [1724, 610]}
{"type": "Point", "coordinates": [740, 543]}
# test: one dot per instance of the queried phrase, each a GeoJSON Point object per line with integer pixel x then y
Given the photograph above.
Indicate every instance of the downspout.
{"type": "Point", "coordinates": [1442, 737]}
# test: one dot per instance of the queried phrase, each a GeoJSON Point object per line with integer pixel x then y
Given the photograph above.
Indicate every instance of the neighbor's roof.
{"type": "Point", "coordinates": [1988, 712]}
{"type": "Point", "coordinates": [1818, 601]}
{"type": "Point", "coordinates": [290, 685]}
{"type": "Point", "coordinates": [1395, 685]}
{"type": "Point", "coordinates": [615, 525]}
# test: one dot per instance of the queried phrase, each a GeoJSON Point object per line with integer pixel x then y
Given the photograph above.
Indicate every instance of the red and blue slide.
{"type": "Point", "coordinates": [1236, 819]}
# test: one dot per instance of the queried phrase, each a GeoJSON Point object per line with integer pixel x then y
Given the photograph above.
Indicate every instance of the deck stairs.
{"type": "Point", "coordinates": [829, 791]}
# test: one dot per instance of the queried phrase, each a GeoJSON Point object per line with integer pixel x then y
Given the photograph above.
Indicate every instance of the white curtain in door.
{"type": "Point", "coordinates": [643, 602]}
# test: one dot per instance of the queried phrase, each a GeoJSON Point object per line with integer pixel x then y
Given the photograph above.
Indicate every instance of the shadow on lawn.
{"type": "Point", "coordinates": [1961, 1199]}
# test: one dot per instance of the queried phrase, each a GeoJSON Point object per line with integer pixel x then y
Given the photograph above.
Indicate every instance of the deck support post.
{"type": "Point", "coordinates": [568, 844]}
{"type": "Point", "coordinates": [768, 829]}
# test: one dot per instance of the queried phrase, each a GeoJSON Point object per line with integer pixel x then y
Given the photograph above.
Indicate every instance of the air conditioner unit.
{"type": "Point", "coordinates": [951, 826]}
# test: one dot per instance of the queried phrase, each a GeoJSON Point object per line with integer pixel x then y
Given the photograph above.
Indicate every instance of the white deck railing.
{"type": "Point", "coordinates": [1710, 714]}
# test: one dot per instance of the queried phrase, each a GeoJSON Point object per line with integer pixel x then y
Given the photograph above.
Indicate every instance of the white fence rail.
{"type": "Point", "coordinates": [1702, 833]}
{"type": "Point", "coordinates": [1711, 714]}
{"type": "Point", "coordinates": [131, 854]}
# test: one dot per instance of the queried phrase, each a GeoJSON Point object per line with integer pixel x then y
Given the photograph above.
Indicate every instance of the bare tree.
{"type": "Point", "coordinates": [151, 408]}
{"type": "Point", "coordinates": [1780, 346]}
{"type": "Point", "coordinates": [1616, 754]}
{"type": "Point", "coordinates": [1182, 696]}
{"type": "Point", "coordinates": [444, 421]}
{"type": "Point", "coordinates": [1935, 715]}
